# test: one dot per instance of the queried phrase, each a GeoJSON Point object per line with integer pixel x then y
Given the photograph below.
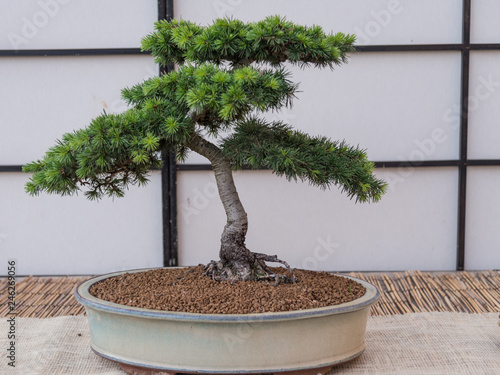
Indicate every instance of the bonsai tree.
{"type": "Point", "coordinates": [227, 74]}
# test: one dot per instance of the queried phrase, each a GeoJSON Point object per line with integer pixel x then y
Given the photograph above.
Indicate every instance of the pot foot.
{"type": "Point", "coordinates": [135, 370]}
{"type": "Point", "coordinates": [313, 371]}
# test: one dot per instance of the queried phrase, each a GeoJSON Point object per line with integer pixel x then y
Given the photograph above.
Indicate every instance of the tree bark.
{"type": "Point", "coordinates": [233, 251]}
{"type": "Point", "coordinates": [236, 261]}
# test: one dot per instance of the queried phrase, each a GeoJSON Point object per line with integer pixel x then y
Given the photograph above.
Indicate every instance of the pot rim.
{"type": "Point", "coordinates": [84, 297]}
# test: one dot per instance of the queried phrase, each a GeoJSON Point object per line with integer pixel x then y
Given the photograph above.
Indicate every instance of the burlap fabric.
{"type": "Point", "coordinates": [421, 343]}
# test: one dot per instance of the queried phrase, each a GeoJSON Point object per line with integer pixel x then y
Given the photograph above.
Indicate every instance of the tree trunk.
{"type": "Point", "coordinates": [236, 261]}
{"type": "Point", "coordinates": [233, 251]}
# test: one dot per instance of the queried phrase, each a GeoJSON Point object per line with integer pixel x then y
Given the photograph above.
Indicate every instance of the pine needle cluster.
{"type": "Point", "coordinates": [296, 155]}
{"type": "Point", "coordinates": [273, 40]}
{"type": "Point", "coordinates": [226, 73]}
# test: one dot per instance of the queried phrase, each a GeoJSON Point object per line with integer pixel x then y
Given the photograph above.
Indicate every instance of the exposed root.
{"type": "Point", "coordinates": [227, 271]}
{"type": "Point", "coordinates": [262, 258]}
{"type": "Point", "coordinates": [219, 272]}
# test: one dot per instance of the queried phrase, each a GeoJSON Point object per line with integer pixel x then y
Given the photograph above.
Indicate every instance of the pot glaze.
{"type": "Point", "coordinates": [176, 342]}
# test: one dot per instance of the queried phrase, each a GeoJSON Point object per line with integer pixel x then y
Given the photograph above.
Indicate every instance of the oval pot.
{"type": "Point", "coordinates": [146, 341]}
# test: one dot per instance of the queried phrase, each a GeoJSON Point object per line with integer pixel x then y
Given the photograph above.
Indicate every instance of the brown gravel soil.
{"type": "Point", "coordinates": [186, 290]}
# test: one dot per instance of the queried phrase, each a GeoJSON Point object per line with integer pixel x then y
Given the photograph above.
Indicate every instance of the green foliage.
{"type": "Point", "coordinates": [256, 143]}
{"type": "Point", "coordinates": [213, 95]}
{"type": "Point", "coordinates": [273, 40]}
{"type": "Point", "coordinates": [226, 72]}
{"type": "Point", "coordinates": [111, 153]}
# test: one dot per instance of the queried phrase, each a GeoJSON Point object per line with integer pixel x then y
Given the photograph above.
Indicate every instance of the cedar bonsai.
{"type": "Point", "coordinates": [227, 73]}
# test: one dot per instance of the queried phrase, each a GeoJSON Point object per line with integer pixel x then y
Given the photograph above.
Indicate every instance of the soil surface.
{"type": "Point", "coordinates": [186, 290]}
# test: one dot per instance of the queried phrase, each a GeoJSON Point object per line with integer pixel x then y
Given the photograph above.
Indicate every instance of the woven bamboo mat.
{"type": "Point", "coordinates": [401, 293]}
{"type": "Point", "coordinates": [43, 297]}
{"type": "Point", "coordinates": [415, 291]}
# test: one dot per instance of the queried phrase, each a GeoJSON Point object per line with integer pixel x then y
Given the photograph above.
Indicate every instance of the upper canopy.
{"type": "Point", "coordinates": [273, 40]}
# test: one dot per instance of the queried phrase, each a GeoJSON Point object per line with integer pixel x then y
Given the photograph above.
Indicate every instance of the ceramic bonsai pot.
{"type": "Point", "coordinates": [147, 341]}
